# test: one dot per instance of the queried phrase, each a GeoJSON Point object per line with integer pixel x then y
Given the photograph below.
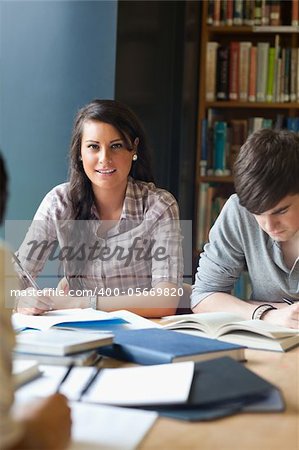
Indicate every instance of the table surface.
{"type": "Point", "coordinates": [243, 431]}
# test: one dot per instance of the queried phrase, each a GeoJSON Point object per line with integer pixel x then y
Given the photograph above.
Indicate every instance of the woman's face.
{"type": "Point", "coordinates": [105, 156]}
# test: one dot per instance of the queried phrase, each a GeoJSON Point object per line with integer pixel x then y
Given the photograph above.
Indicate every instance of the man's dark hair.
{"type": "Point", "coordinates": [267, 169]}
{"type": "Point", "coordinates": [3, 188]}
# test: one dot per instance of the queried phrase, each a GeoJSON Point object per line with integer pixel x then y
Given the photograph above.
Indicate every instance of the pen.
{"type": "Point", "coordinates": [89, 383]}
{"type": "Point", "coordinates": [288, 301]}
{"type": "Point", "coordinates": [26, 275]}
{"type": "Point", "coordinates": [64, 377]}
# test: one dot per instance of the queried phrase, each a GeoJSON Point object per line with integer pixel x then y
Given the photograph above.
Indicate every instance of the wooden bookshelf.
{"type": "Point", "coordinates": [280, 37]}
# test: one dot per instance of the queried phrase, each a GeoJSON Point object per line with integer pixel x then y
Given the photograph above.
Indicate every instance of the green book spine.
{"type": "Point", "coordinates": [270, 78]}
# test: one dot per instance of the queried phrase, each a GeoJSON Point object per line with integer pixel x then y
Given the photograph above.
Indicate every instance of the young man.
{"type": "Point", "coordinates": [42, 425]}
{"type": "Point", "coordinates": [257, 230]}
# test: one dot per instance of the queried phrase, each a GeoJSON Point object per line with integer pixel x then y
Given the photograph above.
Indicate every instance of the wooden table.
{"type": "Point", "coordinates": [244, 431]}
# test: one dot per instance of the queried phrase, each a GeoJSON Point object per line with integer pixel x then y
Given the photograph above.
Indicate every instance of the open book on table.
{"type": "Point", "coordinates": [71, 319]}
{"type": "Point", "coordinates": [233, 328]}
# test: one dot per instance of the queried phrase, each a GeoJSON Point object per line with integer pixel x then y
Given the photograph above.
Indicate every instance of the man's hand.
{"type": "Point", "coordinates": [287, 316]}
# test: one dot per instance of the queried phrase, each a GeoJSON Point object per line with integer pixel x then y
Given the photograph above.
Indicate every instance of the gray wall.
{"type": "Point", "coordinates": [55, 56]}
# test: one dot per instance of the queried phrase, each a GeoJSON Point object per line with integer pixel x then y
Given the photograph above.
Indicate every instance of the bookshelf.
{"type": "Point", "coordinates": [231, 105]}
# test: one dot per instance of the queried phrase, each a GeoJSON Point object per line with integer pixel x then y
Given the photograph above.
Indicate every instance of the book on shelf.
{"type": "Point", "coordinates": [220, 148]}
{"type": "Point", "coordinates": [295, 13]}
{"type": "Point", "coordinates": [262, 70]}
{"type": "Point", "coordinates": [244, 70]}
{"type": "Point", "coordinates": [287, 74]}
{"type": "Point", "coordinates": [210, 12]}
{"type": "Point", "coordinates": [160, 346]}
{"type": "Point", "coordinates": [238, 12]}
{"type": "Point", "coordinates": [59, 342]}
{"type": "Point", "coordinates": [211, 61]}
{"type": "Point", "coordinates": [258, 12]}
{"type": "Point", "coordinates": [234, 52]}
{"type": "Point", "coordinates": [274, 13]}
{"type": "Point", "coordinates": [222, 65]}
{"type": "Point", "coordinates": [249, 12]}
{"type": "Point", "coordinates": [232, 328]}
{"type": "Point", "coordinates": [24, 371]}
{"type": "Point", "coordinates": [216, 13]}
{"type": "Point", "coordinates": [271, 73]}
{"type": "Point", "coordinates": [252, 75]}
{"type": "Point", "coordinates": [294, 75]}
{"type": "Point", "coordinates": [204, 147]}
{"type": "Point", "coordinates": [229, 12]}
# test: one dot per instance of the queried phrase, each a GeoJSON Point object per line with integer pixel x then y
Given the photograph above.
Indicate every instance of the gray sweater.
{"type": "Point", "coordinates": [236, 242]}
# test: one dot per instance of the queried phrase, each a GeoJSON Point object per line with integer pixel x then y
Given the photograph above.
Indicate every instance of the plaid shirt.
{"type": "Point", "coordinates": [141, 250]}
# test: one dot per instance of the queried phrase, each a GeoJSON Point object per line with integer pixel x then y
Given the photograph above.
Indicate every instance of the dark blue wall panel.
{"type": "Point", "coordinates": [55, 56]}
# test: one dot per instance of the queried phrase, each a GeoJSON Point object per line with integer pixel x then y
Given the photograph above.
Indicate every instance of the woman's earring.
{"type": "Point", "coordinates": [80, 158]}
{"type": "Point", "coordinates": [135, 157]}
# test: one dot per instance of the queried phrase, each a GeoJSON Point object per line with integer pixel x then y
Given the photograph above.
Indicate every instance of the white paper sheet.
{"type": "Point", "coordinates": [148, 385]}
{"type": "Point", "coordinates": [160, 384]}
{"type": "Point", "coordinates": [98, 427]}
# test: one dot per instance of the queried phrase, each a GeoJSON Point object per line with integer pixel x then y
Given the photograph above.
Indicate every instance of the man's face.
{"type": "Point", "coordinates": [281, 223]}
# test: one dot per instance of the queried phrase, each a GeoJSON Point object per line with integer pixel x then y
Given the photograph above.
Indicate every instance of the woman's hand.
{"type": "Point", "coordinates": [287, 316]}
{"type": "Point", "coordinates": [33, 302]}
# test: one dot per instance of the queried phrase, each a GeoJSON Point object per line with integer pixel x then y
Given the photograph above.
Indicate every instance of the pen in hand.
{"type": "Point", "coordinates": [64, 377]}
{"type": "Point", "coordinates": [26, 275]}
{"type": "Point", "coordinates": [287, 300]}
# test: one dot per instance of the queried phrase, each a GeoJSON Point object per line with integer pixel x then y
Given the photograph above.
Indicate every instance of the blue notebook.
{"type": "Point", "coordinates": [223, 387]}
{"type": "Point", "coordinates": [157, 346]}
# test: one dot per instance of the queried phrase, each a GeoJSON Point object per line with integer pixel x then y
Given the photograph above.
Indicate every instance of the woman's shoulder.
{"type": "Point", "coordinates": [155, 202]}
{"type": "Point", "coordinates": [152, 193]}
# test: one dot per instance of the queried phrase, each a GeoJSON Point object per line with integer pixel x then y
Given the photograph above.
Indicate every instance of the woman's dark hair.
{"type": "Point", "coordinates": [130, 128]}
{"type": "Point", "coordinates": [3, 188]}
{"type": "Point", "coordinates": [267, 169]}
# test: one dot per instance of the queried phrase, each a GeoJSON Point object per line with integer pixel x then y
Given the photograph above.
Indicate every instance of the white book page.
{"type": "Point", "coordinates": [136, 322]}
{"type": "Point", "coordinates": [147, 385]}
{"type": "Point", "coordinates": [108, 427]}
{"type": "Point", "coordinates": [51, 318]}
{"type": "Point", "coordinates": [208, 322]}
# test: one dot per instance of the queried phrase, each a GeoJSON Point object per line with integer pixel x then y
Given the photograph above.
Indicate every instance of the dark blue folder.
{"type": "Point", "coordinates": [159, 346]}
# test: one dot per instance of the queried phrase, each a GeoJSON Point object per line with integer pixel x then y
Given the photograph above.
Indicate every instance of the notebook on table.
{"type": "Point", "coordinates": [158, 346]}
{"type": "Point", "coordinates": [59, 342]}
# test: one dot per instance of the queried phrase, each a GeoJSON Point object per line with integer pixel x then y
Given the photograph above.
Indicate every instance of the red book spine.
{"type": "Point", "coordinates": [234, 70]}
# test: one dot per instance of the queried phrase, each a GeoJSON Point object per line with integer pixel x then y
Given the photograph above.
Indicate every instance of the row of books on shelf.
{"type": "Point", "coordinates": [210, 203]}
{"type": "Point", "coordinates": [252, 12]}
{"type": "Point", "coordinates": [221, 140]}
{"type": "Point", "coordinates": [245, 72]}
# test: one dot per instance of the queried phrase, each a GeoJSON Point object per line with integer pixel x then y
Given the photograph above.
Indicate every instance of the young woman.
{"type": "Point", "coordinates": [116, 234]}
